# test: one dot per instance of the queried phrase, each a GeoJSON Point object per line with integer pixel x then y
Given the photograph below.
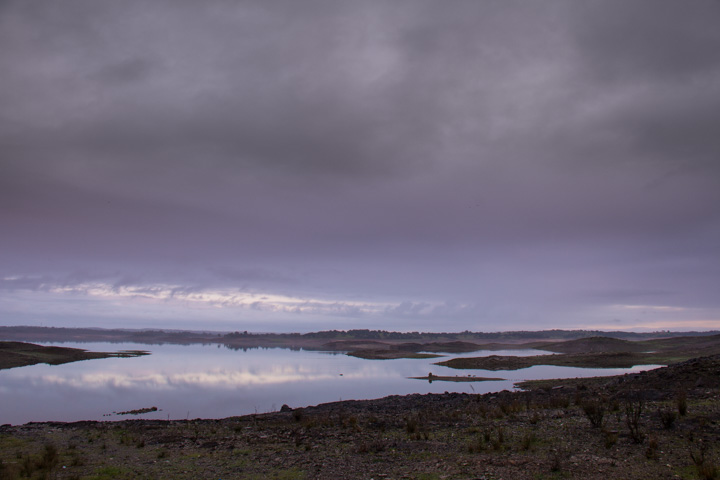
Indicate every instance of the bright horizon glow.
{"type": "Point", "coordinates": [693, 325]}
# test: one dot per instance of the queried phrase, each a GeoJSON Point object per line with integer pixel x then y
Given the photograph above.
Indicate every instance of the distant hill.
{"type": "Point", "coordinates": [593, 345]}
{"type": "Point", "coordinates": [552, 340]}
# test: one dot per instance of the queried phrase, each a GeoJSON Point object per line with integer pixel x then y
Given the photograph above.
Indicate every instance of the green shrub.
{"type": "Point", "coordinates": [706, 468]}
{"type": "Point", "coordinates": [476, 446]}
{"type": "Point", "coordinates": [49, 458]}
{"type": "Point", "coordinates": [610, 439]}
{"type": "Point", "coordinates": [498, 442]}
{"type": "Point", "coordinates": [594, 410]}
{"type": "Point", "coordinates": [681, 402]}
{"type": "Point", "coordinates": [528, 440]}
{"type": "Point", "coordinates": [633, 412]}
{"type": "Point", "coordinates": [652, 449]}
{"type": "Point", "coordinates": [667, 418]}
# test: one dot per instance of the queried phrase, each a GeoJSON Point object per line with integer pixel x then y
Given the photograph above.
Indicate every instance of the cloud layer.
{"type": "Point", "coordinates": [524, 165]}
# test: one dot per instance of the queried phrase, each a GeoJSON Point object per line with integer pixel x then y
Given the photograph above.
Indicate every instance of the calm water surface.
{"type": "Point", "coordinates": [204, 381]}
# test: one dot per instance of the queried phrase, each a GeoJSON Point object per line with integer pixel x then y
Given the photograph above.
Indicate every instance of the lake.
{"type": "Point", "coordinates": [211, 381]}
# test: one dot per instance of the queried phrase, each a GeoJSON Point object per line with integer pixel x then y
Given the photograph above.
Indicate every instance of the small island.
{"type": "Point", "coordinates": [380, 354]}
{"type": "Point", "coordinates": [21, 354]}
{"type": "Point", "coordinates": [444, 378]}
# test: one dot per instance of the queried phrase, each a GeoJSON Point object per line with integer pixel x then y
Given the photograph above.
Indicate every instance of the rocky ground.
{"type": "Point", "coordinates": [661, 424]}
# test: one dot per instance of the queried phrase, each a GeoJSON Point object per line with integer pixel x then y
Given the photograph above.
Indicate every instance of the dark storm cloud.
{"type": "Point", "coordinates": [454, 159]}
{"type": "Point", "coordinates": [272, 87]}
{"type": "Point", "coordinates": [652, 42]}
{"type": "Point", "coordinates": [656, 68]}
{"type": "Point", "coordinates": [125, 72]}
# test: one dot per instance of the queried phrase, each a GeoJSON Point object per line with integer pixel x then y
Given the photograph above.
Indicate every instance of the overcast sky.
{"type": "Point", "coordinates": [404, 165]}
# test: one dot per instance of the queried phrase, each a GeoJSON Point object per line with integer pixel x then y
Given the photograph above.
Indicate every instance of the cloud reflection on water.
{"type": "Point", "coordinates": [208, 379]}
{"type": "Point", "coordinates": [213, 382]}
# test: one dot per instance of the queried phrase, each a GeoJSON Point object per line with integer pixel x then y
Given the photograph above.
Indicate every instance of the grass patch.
{"type": "Point", "coordinates": [429, 476]}
{"type": "Point", "coordinates": [108, 473]}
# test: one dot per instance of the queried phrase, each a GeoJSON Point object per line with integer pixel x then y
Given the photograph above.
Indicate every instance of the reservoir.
{"type": "Point", "coordinates": [211, 381]}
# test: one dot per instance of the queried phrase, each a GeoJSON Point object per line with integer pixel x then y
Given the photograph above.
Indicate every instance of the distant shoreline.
{"type": "Point", "coordinates": [241, 339]}
{"type": "Point", "coordinates": [591, 349]}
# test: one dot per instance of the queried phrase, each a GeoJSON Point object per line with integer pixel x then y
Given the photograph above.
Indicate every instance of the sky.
{"type": "Point", "coordinates": [404, 165]}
